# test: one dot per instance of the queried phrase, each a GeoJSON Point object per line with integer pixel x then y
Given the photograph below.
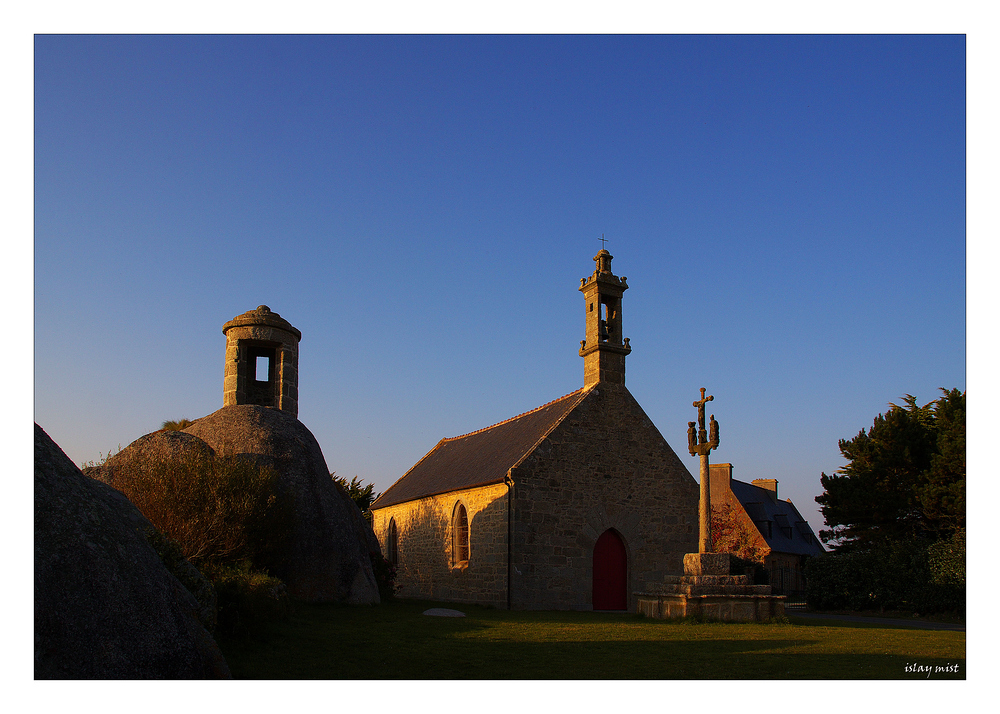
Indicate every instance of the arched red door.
{"type": "Point", "coordinates": [610, 573]}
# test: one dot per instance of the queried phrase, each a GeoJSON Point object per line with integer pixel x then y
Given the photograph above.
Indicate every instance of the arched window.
{"type": "Point", "coordinates": [392, 544]}
{"type": "Point", "coordinates": [460, 536]}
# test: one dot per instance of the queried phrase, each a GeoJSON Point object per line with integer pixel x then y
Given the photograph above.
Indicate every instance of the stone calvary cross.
{"type": "Point", "coordinates": [700, 443]}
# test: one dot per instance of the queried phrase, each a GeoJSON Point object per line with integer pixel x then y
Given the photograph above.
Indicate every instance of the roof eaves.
{"type": "Point", "coordinates": [438, 493]}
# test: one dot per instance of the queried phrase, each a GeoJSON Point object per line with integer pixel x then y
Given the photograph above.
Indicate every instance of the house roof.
{"type": "Point", "coordinates": [481, 457]}
{"type": "Point", "coordinates": [790, 532]}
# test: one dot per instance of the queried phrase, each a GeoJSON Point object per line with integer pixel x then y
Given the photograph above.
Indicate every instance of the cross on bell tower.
{"type": "Point", "coordinates": [604, 349]}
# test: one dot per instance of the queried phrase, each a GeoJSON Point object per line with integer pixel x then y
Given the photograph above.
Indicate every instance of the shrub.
{"type": "Point", "coordinates": [247, 598]}
{"type": "Point", "coordinates": [219, 509]}
{"type": "Point", "coordinates": [176, 425]}
{"type": "Point", "coordinates": [946, 559]}
{"type": "Point", "coordinates": [385, 576]}
{"type": "Point", "coordinates": [227, 516]}
{"type": "Point", "coordinates": [742, 566]}
{"type": "Point", "coordinates": [363, 496]}
{"type": "Point", "coordinates": [190, 577]}
{"type": "Point", "coordinates": [893, 576]}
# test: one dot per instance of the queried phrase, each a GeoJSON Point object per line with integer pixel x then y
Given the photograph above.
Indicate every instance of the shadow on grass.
{"type": "Point", "coordinates": [830, 620]}
{"type": "Point", "coordinates": [396, 641]}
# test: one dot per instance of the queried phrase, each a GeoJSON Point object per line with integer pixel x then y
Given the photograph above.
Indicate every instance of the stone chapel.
{"type": "Point", "coordinates": [576, 505]}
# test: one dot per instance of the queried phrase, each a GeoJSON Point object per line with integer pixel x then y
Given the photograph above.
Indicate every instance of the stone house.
{"type": "Point", "coordinates": [576, 505]}
{"type": "Point", "coordinates": [776, 527]}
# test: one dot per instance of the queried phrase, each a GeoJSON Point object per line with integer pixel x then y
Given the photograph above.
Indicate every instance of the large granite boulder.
{"type": "Point", "coordinates": [158, 446]}
{"type": "Point", "coordinates": [327, 557]}
{"type": "Point", "coordinates": [106, 607]}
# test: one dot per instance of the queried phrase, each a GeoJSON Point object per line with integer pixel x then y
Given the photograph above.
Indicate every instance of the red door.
{"type": "Point", "coordinates": [610, 573]}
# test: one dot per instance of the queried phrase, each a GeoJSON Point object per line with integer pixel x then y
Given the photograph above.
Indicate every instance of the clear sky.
{"type": "Point", "coordinates": [789, 212]}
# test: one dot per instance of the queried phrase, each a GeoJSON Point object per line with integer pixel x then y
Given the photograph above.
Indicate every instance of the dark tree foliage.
{"type": "Point", "coordinates": [905, 477]}
{"type": "Point", "coordinates": [363, 496]}
{"type": "Point", "coordinates": [941, 493]}
{"type": "Point", "coordinates": [912, 575]}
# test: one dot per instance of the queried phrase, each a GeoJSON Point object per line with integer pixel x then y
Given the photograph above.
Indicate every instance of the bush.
{"type": "Point", "coordinates": [385, 576]}
{"type": "Point", "coordinates": [742, 566]}
{"type": "Point", "coordinates": [247, 598]}
{"type": "Point", "coordinates": [219, 509]}
{"type": "Point", "coordinates": [946, 559]}
{"type": "Point", "coordinates": [363, 496]}
{"type": "Point", "coordinates": [189, 576]}
{"type": "Point", "coordinates": [226, 516]}
{"type": "Point", "coordinates": [893, 576]}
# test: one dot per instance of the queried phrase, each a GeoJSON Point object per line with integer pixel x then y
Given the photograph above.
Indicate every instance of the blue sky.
{"type": "Point", "coordinates": [789, 212]}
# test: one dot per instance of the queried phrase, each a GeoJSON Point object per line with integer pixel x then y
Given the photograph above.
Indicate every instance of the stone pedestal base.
{"type": "Point", "coordinates": [729, 608]}
{"type": "Point", "coordinates": [708, 590]}
{"type": "Point", "coordinates": [706, 564]}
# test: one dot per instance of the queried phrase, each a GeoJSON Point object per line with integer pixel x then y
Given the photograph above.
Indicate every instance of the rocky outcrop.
{"type": "Point", "coordinates": [158, 446]}
{"type": "Point", "coordinates": [106, 607]}
{"type": "Point", "coordinates": [327, 556]}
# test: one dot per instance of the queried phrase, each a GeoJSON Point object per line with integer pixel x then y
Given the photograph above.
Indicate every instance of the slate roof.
{"type": "Point", "coordinates": [480, 457]}
{"type": "Point", "coordinates": [790, 532]}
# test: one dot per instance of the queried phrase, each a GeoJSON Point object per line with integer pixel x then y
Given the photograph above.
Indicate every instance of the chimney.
{"type": "Point", "coordinates": [719, 477]}
{"type": "Point", "coordinates": [768, 484]}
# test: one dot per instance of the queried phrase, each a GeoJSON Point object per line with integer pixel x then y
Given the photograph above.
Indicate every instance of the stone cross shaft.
{"type": "Point", "coordinates": [700, 443]}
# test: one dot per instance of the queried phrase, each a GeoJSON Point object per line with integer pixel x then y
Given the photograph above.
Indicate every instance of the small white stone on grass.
{"type": "Point", "coordinates": [443, 612]}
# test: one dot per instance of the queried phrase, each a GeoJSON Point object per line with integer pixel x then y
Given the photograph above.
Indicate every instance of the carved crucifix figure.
{"type": "Point", "coordinates": [700, 404]}
{"type": "Point", "coordinates": [701, 447]}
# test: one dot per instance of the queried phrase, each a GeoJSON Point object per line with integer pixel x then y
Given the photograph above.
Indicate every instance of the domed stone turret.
{"type": "Point", "coordinates": [262, 361]}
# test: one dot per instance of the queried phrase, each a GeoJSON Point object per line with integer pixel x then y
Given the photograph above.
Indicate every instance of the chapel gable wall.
{"type": "Point", "coordinates": [605, 466]}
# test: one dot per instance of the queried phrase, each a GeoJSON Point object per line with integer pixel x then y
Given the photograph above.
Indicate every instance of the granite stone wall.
{"type": "Point", "coordinates": [785, 571]}
{"type": "Point", "coordinates": [604, 466]}
{"type": "Point", "coordinates": [424, 536]}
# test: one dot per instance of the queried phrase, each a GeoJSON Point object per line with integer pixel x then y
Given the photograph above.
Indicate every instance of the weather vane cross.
{"type": "Point", "coordinates": [603, 242]}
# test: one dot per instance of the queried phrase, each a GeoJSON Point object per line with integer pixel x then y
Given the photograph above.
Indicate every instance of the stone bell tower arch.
{"type": "Point", "coordinates": [605, 349]}
{"type": "Point", "coordinates": [262, 361]}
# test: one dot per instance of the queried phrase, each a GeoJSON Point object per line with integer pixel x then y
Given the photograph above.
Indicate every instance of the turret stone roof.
{"type": "Point", "coordinates": [262, 316]}
{"type": "Point", "coordinates": [481, 457]}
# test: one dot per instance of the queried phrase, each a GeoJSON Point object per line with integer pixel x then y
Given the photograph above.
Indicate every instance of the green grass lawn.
{"type": "Point", "coordinates": [396, 641]}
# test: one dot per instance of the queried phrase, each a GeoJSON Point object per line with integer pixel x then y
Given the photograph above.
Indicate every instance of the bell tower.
{"type": "Point", "coordinates": [604, 349]}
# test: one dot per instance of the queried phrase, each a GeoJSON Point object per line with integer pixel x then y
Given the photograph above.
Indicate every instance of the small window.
{"type": "Point", "coordinates": [460, 536]}
{"type": "Point", "coordinates": [262, 368]}
{"type": "Point", "coordinates": [392, 544]}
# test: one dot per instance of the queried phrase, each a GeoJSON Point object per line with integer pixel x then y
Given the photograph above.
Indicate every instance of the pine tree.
{"type": "Point", "coordinates": [905, 477]}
